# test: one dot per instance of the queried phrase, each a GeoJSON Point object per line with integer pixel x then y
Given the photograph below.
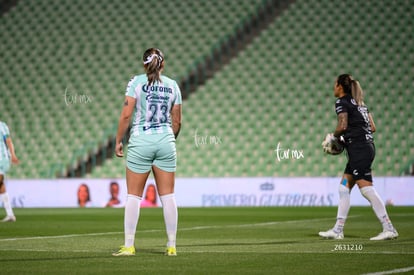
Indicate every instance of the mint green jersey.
{"type": "Point", "coordinates": [5, 133]}
{"type": "Point", "coordinates": [153, 104]}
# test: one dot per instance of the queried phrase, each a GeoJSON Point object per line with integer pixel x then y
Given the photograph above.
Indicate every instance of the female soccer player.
{"type": "Point", "coordinates": [6, 155]}
{"type": "Point", "coordinates": [356, 125]}
{"type": "Point", "coordinates": [155, 100]}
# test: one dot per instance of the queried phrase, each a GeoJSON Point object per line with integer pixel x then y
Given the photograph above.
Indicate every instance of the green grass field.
{"type": "Point", "coordinates": [210, 241]}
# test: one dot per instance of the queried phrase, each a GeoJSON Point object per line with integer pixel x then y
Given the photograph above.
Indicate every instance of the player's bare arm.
{"type": "Point", "coordinates": [124, 120]}
{"type": "Point", "coordinates": [176, 119]}
{"type": "Point", "coordinates": [342, 124]}
{"type": "Point", "coordinates": [10, 145]}
{"type": "Point", "coordinates": [371, 123]}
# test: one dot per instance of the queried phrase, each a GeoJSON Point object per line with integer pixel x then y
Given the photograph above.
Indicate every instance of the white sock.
{"type": "Point", "coordinates": [6, 202]}
{"type": "Point", "coordinates": [131, 217]}
{"type": "Point", "coordinates": [378, 206]}
{"type": "Point", "coordinates": [170, 211]}
{"type": "Point", "coordinates": [343, 208]}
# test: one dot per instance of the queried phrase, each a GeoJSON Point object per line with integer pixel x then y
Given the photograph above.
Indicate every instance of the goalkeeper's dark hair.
{"type": "Point", "coordinates": [153, 60]}
{"type": "Point", "coordinates": [351, 87]}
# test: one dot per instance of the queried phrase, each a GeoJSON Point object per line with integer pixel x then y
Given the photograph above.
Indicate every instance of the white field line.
{"type": "Point", "coordinates": [185, 251]}
{"type": "Point", "coordinates": [393, 271]}
{"type": "Point", "coordinates": [403, 215]}
{"type": "Point", "coordinates": [253, 224]}
{"type": "Point", "coordinates": [215, 251]}
{"type": "Point", "coordinates": [158, 230]}
{"type": "Point", "coordinates": [58, 236]}
{"type": "Point", "coordinates": [303, 252]}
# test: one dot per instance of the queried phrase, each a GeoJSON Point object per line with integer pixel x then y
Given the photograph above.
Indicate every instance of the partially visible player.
{"type": "Point", "coordinates": [356, 126]}
{"type": "Point", "coordinates": [7, 155]}
{"type": "Point", "coordinates": [154, 101]}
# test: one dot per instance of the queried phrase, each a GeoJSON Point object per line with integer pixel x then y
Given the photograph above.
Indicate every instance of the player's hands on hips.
{"type": "Point", "coordinates": [118, 150]}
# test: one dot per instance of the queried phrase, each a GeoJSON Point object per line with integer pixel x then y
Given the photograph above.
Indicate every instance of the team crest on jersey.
{"type": "Point", "coordinates": [362, 109]}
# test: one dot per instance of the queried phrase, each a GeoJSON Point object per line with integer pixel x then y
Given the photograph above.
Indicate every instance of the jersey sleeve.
{"type": "Point", "coordinates": [5, 132]}
{"type": "Point", "coordinates": [340, 106]}
{"type": "Point", "coordinates": [130, 89]}
{"type": "Point", "coordinates": [178, 98]}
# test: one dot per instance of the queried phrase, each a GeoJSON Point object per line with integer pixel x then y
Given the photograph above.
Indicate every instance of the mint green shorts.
{"type": "Point", "coordinates": [144, 151]}
{"type": "Point", "coordinates": [4, 166]}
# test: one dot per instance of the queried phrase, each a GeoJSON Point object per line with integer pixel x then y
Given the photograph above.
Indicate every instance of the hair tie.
{"type": "Point", "coordinates": [151, 57]}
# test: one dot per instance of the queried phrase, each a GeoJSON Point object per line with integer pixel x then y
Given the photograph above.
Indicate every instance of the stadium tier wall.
{"type": "Point", "coordinates": [65, 66]}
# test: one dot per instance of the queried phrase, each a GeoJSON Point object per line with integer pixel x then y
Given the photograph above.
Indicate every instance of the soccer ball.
{"type": "Point", "coordinates": [331, 145]}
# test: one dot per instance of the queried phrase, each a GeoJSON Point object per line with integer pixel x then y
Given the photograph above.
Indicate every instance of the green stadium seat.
{"type": "Point", "coordinates": [264, 95]}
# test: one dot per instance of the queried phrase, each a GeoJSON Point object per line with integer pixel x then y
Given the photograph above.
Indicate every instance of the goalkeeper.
{"type": "Point", "coordinates": [356, 125]}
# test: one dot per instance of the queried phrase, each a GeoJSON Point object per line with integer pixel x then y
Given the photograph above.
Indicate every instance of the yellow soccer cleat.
{"type": "Point", "coordinates": [125, 251]}
{"type": "Point", "coordinates": [171, 251]}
